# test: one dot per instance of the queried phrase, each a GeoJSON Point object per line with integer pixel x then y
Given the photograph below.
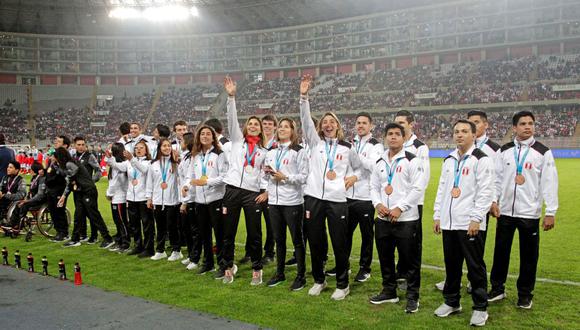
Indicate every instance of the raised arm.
{"type": "Point", "coordinates": [232, 113]}
{"type": "Point", "coordinates": [308, 128]}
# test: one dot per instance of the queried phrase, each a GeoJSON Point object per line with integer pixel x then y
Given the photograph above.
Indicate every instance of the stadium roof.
{"type": "Point", "coordinates": [90, 17]}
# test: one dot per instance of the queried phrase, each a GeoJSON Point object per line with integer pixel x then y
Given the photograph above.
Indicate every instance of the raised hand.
{"type": "Point", "coordinates": [230, 86]}
{"type": "Point", "coordinates": [305, 84]}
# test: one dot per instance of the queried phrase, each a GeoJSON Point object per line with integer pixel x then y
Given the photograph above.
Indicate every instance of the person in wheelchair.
{"type": "Point", "coordinates": [36, 196]}
{"type": "Point", "coordinates": [12, 189]}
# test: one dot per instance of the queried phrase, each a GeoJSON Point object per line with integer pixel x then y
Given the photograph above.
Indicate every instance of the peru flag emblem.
{"type": "Point", "coordinates": [465, 171]}
{"type": "Point", "coordinates": [528, 166]}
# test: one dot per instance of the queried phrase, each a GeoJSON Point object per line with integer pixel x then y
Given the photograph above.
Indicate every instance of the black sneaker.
{"type": "Point", "coordinates": [244, 260]}
{"type": "Point", "coordinates": [495, 295]}
{"type": "Point", "coordinates": [362, 276]}
{"type": "Point", "coordinates": [277, 279]}
{"type": "Point", "coordinates": [107, 244]}
{"type": "Point", "coordinates": [145, 254]}
{"type": "Point", "coordinates": [134, 251]}
{"type": "Point", "coordinates": [525, 302]}
{"type": "Point", "coordinates": [219, 274]}
{"type": "Point", "coordinates": [58, 238]}
{"type": "Point", "coordinates": [292, 262]}
{"type": "Point", "coordinates": [205, 269]}
{"type": "Point", "coordinates": [412, 306]}
{"type": "Point", "coordinates": [124, 249]}
{"type": "Point", "coordinates": [331, 272]}
{"type": "Point", "coordinates": [267, 260]}
{"type": "Point", "coordinates": [92, 240]}
{"type": "Point", "coordinates": [298, 284]}
{"type": "Point", "coordinates": [383, 297]}
{"type": "Point", "coordinates": [84, 239]}
{"type": "Point", "coordinates": [72, 244]}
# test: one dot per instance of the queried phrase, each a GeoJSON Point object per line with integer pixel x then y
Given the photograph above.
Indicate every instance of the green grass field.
{"type": "Point", "coordinates": [555, 305]}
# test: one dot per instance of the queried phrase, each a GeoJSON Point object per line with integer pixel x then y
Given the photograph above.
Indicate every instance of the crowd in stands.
{"type": "Point", "coordinates": [524, 79]}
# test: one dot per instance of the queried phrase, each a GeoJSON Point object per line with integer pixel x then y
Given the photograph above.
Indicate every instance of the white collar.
{"type": "Point", "coordinates": [455, 153]}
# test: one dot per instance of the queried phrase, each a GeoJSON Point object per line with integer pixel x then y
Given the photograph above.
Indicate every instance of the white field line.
{"type": "Point", "coordinates": [442, 269]}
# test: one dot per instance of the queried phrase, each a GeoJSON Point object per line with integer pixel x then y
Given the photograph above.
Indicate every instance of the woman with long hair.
{"type": "Point", "coordinates": [117, 194]}
{"type": "Point", "coordinates": [80, 181]}
{"type": "Point", "coordinates": [188, 229]}
{"type": "Point", "coordinates": [287, 168]}
{"type": "Point", "coordinates": [206, 179]}
{"type": "Point", "coordinates": [325, 193]}
{"type": "Point", "coordinates": [243, 188]}
{"type": "Point", "coordinates": [162, 193]}
{"type": "Point", "coordinates": [140, 217]}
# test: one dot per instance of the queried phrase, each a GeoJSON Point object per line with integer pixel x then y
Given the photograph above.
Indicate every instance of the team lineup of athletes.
{"type": "Point", "coordinates": [190, 190]}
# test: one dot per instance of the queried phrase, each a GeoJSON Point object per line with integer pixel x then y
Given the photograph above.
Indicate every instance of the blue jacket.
{"type": "Point", "coordinates": [6, 155]}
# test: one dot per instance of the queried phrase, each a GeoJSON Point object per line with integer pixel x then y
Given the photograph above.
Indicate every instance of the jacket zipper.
{"type": "Point", "coordinates": [324, 178]}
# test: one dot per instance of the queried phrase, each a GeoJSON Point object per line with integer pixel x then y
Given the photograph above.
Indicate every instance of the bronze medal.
{"type": "Point", "coordinates": [388, 189]}
{"type": "Point", "coordinates": [520, 179]}
{"type": "Point", "coordinates": [163, 185]}
{"type": "Point", "coordinates": [455, 192]}
{"type": "Point", "coordinates": [135, 182]}
{"type": "Point", "coordinates": [249, 169]}
{"type": "Point", "coordinates": [331, 175]}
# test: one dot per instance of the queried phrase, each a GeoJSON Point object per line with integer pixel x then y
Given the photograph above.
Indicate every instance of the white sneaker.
{"type": "Point", "coordinates": [340, 294]}
{"type": "Point", "coordinates": [256, 277]}
{"type": "Point", "coordinates": [175, 255]}
{"type": "Point", "coordinates": [228, 276]}
{"type": "Point", "coordinates": [191, 266]}
{"type": "Point", "coordinates": [445, 310]}
{"type": "Point", "coordinates": [478, 318]}
{"type": "Point", "coordinates": [235, 269]}
{"type": "Point", "coordinates": [440, 286]}
{"type": "Point", "coordinates": [185, 261]}
{"type": "Point", "coordinates": [317, 288]}
{"type": "Point", "coordinates": [159, 256]}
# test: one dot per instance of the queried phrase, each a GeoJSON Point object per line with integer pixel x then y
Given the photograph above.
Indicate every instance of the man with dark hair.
{"type": "Point", "coordinates": [179, 128]}
{"type": "Point", "coordinates": [464, 196]}
{"type": "Point", "coordinates": [358, 194]}
{"type": "Point", "coordinates": [12, 188]}
{"type": "Point", "coordinates": [396, 189]}
{"type": "Point", "coordinates": [125, 132]}
{"type": "Point", "coordinates": [421, 151]}
{"type": "Point", "coordinates": [6, 156]}
{"type": "Point", "coordinates": [526, 177]}
{"type": "Point", "coordinates": [490, 148]}
{"type": "Point", "coordinates": [55, 185]}
{"type": "Point", "coordinates": [89, 162]}
{"type": "Point", "coordinates": [218, 127]}
{"type": "Point", "coordinates": [136, 136]}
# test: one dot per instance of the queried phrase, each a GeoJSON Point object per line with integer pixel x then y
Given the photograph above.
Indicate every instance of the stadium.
{"type": "Point", "coordinates": [85, 67]}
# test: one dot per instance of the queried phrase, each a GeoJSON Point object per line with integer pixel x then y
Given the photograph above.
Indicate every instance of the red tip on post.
{"type": "Point", "coordinates": [78, 278]}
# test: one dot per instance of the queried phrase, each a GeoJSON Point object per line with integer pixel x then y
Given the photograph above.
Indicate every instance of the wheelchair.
{"type": "Point", "coordinates": [37, 217]}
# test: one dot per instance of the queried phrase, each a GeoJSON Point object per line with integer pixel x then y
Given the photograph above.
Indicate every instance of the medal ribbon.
{"type": "Point", "coordinates": [482, 143]}
{"type": "Point", "coordinates": [279, 156]}
{"type": "Point", "coordinates": [328, 157]}
{"type": "Point", "coordinates": [204, 160]}
{"type": "Point", "coordinates": [358, 145]}
{"type": "Point", "coordinates": [391, 171]}
{"type": "Point", "coordinates": [164, 169]}
{"type": "Point", "coordinates": [458, 168]}
{"type": "Point", "coordinates": [250, 157]}
{"type": "Point", "coordinates": [520, 164]}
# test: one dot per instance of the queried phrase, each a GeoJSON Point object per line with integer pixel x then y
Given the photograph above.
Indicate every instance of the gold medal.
{"type": "Point", "coordinates": [520, 179]}
{"type": "Point", "coordinates": [49, 170]}
{"type": "Point", "coordinates": [163, 185]}
{"type": "Point", "coordinates": [203, 177]}
{"type": "Point", "coordinates": [331, 175]}
{"type": "Point", "coordinates": [388, 189]}
{"type": "Point", "coordinates": [455, 192]}
{"type": "Point", "coordinates": [249, 169]}
{"type": "Point", "coordinates": [75, 187]}
{"type": "Point", "coordinates": [135, 182]}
